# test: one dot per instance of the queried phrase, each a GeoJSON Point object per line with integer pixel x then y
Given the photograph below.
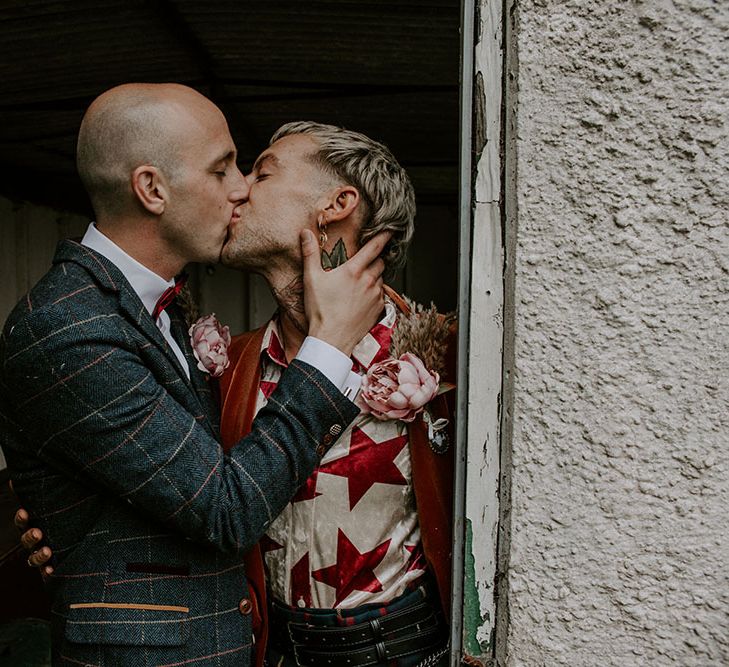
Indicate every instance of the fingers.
{"type": "Point", "coordinates": [377, 268]}
{"type": "Point", "coordinates": [40, 557]}
{"type": "Point", "coordinates": [311, 255]}
{"type": "Point", "coordinates": [309, 247]}
{"type": "Point", "coordinates": [374, 273]}
{"type": "Point", "coordinates": [31, 538]}
{"type": "Point", "coordinates": [370, 250]}
{"type": "Point", "coordinates": [39, 560]}
{"type": "Point", "coordinates": [21, 519]}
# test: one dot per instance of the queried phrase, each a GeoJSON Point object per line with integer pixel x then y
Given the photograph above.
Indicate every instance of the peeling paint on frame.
{"type": "Point", "coordinates": [473, 618]}
{"type": "Point", "coordinates": [485, 354]}
{"type": "Point", "coordinates": [481, 303]}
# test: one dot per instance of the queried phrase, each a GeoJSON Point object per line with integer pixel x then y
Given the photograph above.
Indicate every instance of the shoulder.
{"type": "Point", "coordinates": [65, 282]}
{"type": "Point", "coordinates": [65, 304]}
{"type": "Point", "coordinates": [43, 334]}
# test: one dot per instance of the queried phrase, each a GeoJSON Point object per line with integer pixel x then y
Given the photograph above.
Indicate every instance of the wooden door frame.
{"type": "Point", "coordinates": [481, 309]}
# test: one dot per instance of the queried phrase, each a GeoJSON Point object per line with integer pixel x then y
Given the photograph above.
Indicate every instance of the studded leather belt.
{"type": "Point", "coordinates": [398, 634]}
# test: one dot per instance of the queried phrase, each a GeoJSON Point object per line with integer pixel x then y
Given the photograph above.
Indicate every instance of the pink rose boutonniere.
{"type": "Point", "coordinates": [398, 388]}
{"type": "Point", "coordinates": [402, 386]}
{"type": "Point", "coordinates": [210, 341]}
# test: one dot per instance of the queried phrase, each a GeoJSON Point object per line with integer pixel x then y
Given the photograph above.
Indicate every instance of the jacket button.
{"type": "Point", "coordinates": [327, 439]}
{"type": "Point", "coordinates": [245, 606]}
{"type": "Point", "coordinates": [320, 450]}
{"type": "Point", "coordinates": [335, 429]}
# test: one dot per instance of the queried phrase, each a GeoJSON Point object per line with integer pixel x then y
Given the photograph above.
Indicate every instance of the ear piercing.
{"type": "Point", "coordinates": [323, 238]}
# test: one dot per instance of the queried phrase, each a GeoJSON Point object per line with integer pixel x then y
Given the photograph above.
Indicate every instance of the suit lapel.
{"type": "Point", "coordinates": [133, 308]}
{"type": "Point", "coordinates": [201, 383]}
{"type": "Point", "coordinates": [110, 279]}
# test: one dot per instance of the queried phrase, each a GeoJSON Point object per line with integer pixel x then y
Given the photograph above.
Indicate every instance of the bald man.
{"type": "Point", "coordinates": [110, 430]}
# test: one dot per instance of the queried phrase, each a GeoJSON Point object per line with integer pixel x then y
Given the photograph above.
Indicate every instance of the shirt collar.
{"type": "Point", "coordinates": [374, 347]}
{"type": "Point", "coordinates": [146, 283]}
{"type": "Point", "coordinates": [271, 344]}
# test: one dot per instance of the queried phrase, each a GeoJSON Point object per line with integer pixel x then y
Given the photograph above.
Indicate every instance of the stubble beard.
{"type": "Point", "coordinates": [244, 256]}
{"type": "Point", "coordinates": [275, 263]}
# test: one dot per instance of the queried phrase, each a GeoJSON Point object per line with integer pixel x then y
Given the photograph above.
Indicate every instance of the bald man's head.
{"type": "Point", "coordinates": [133, 125]}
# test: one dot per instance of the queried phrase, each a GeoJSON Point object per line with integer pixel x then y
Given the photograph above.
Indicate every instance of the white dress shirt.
{"type": "Point", "coordinates": [147, 284]}
{"type": "Point", "coordinates": [333, 364]}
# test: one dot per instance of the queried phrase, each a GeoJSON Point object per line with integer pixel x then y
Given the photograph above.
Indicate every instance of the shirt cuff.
{"type": "Point", "coordinates": [352, 386]}
{"type": "Point", "coordinates": [333, 363]}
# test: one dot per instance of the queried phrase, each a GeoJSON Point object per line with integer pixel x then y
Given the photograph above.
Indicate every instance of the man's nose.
{"type": "Point", "coordinates": [240, 191]}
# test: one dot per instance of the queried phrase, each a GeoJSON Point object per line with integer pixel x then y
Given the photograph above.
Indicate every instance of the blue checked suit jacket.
{"type": "Point", "coordinates": [114, 452]}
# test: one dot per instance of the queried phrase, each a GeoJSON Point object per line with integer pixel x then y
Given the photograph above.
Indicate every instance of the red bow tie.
{"type": "Point", "coordinates": [168, 296]}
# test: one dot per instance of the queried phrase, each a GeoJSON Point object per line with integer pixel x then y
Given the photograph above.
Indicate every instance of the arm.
{"type": "Point", "coordinates": [32, 538]}
{"type": "Point", "coordinates": [104, 414]}
{"type": "Point", "coordinates": [79, 397]}
{"type": "Point", "coordinates": [95, 411]}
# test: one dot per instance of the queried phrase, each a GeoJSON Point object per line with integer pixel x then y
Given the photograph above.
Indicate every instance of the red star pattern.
{"type": "Point", "coordinates": [362, 462]}
{"type": "Point", "coordinates": [416, 559]}
{"type": "Point", "coordinates": [276, 352]}
{"type": "Point", "coordinates": [267, 544]}
{"type": "Point", "coordinates": [383, 335]}
{"type": "Point", "coordinates": [367, 462]}
{"type": "Point", "coordinates": [268, 388]}
{"type": "Point", "coordinates": [353, 571]}
{"type": "Point", "coordinates": [300, 582]}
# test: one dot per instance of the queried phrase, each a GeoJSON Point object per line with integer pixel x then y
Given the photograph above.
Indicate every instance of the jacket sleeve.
{"type": "Point", "coordinates": [85, 403]}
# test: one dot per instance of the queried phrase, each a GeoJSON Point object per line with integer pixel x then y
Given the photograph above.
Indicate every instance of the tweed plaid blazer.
{"type": "Point", "coordinates": [114, 452]}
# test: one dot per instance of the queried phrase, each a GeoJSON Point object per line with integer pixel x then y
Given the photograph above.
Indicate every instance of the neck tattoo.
{"type": "Point", "coordinates": [290, 299]}
{"type": "Point", "coordinates": [335, 258]}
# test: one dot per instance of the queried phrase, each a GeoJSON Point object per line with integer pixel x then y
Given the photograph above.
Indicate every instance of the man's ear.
{"type": "Point", "coordinates": [341, 204]}
{"type": "Point", "coordinates": [150, 188]}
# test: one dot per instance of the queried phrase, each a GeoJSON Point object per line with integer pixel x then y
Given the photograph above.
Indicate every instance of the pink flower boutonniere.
{"type": "Point", "coordinates": [402, 386]}
{"type": "Point", "coordinates": [210, 341]}
{"type": "Point", "coordinates": [398, 388]}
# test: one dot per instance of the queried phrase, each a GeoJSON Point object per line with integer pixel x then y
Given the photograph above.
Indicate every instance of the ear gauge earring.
{"type": "Point", "coordinates": [323, 238]}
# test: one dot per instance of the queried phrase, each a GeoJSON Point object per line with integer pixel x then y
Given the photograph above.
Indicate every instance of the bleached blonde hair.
{"type": "Point", "coordinates": [369, 166]}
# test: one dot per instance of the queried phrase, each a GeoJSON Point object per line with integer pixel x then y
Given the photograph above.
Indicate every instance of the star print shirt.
{"type": "Point", "coordinates": [350, 536]}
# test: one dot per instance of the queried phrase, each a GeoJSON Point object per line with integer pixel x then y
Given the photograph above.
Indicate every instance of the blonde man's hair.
{"type": "Point", "coordinates": [384, 186]}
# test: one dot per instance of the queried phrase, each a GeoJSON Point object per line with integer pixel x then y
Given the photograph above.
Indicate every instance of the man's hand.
{"type": "Point", "coordinates": [343, 304]}
{"type": "Point", "coordinates": [30, 539]}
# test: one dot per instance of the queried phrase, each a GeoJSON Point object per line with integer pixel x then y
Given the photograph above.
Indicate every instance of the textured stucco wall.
{"type": "Point", "coordinates": [619, 525]}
